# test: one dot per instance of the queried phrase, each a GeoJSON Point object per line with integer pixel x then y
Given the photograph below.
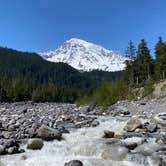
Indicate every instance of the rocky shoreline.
{"type": "Point", "coordinates": [38, 122]}
{"type": "Point", "coordinates": [20, 121]}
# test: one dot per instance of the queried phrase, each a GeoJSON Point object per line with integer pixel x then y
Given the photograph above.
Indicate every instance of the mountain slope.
{"type": "Point", "coordinates": [16, 64]}
{"type": "Point", "coordinates": [86, 56]}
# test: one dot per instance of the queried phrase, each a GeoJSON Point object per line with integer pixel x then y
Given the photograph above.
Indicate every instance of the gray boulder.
{"type": "Point", "coordinates": [133, 124]}
{"type": "Point", "coordinates": [108, 134]}
{"type": "Point", "coordinates": [48, 134]}
{"type": "Point", "coordinates": [35, 144]}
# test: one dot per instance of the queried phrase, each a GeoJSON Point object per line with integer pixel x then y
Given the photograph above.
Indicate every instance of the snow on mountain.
{"type": "Point", "coordinates": [86, 56]}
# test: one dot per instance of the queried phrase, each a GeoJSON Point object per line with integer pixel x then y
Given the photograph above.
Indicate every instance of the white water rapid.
{"type": "Point", "coordinates": [85, 144]}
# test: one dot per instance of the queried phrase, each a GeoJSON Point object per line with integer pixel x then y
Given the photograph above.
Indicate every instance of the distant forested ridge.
{"type": "Point", "coordinates": [26, 76]}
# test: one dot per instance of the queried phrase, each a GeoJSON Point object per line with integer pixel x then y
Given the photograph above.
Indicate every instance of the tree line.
{"type": "Point", "coordinates": [142, 67]}
{"type": "Point", "coordinates": [142, 70]}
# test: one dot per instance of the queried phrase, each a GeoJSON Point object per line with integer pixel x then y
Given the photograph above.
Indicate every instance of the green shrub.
{"type": "Point", "coordinates": [148, 88]}
{"type": "Point", "coordinates": [109, 93]}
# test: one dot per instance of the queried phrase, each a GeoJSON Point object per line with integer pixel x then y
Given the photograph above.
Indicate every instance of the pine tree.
{"type": "Point", "coordinates": [130, 51]}
{"type": "Point", "coordinates": [144, 63]}
{"type": "Point", "coordinates": [160, 64]}
{"type": "Point", "coordinates": [129, 71]}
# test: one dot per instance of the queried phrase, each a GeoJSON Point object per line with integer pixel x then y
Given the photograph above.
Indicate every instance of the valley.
{"type": "Point", "coordinates": [82, 83]}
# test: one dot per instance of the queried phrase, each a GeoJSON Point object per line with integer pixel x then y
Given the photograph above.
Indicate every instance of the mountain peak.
{"type": "Point", "coordinates": [77, 40]}
{"type": "Point", "coordinates": [86, 56]}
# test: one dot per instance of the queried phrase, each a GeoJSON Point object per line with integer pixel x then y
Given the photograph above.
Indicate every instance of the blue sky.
{"type": "Point", "coordinates": [40, 25]}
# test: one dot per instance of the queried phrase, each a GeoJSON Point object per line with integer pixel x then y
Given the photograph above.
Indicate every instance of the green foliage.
{"type": "Point", "coordinates": [85, 100]}
{"type": "Point", "coordinates": [160, 63]}
{"type": "Point", "coordinates": [130, 51]}
{"type": "Point", "coordinates": [21, 64]}
{"type": "Point", "coordinates": [141, 69]}
{"type": "Point", "coordinates": [133, 95]}
{"type": "Point", "coordinates": [110, 92]}
{"type": "Point", "coordinates": [144, 63]}
{"type": "Point", "coordinates": [99, 76]}
{"type": "Point", "coordinates": [148, 88]}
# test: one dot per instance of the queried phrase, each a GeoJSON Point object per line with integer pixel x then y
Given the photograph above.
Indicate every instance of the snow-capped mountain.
{"type": "Point", "coordinates": [86, 56]}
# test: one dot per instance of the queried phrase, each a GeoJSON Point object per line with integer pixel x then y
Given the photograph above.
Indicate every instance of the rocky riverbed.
{"type": "Point", "coordinates": [47, 134]}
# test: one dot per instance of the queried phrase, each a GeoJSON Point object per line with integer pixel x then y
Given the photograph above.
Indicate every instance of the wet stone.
{"type": "Point", "coordinates": [74, 163]}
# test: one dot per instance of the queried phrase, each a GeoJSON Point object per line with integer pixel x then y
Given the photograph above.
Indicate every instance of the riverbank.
{"type": "Point", "coordinates": [134, 131]}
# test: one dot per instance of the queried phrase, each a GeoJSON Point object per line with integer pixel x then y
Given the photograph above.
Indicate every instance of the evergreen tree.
{"type": "Point", "coordinates": [144, 63]}
{"type": "Point", "coordinates": [129, 71]}
{"type": "Point", "coordinates": [160, 64]}
{"type": "Point", "coordinates": [128, 74]}
{"type": "Point", "coordinates": [131, 51]}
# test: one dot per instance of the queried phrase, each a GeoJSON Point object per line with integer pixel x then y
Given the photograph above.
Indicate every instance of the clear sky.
{"type": "Point", "coordinates": [40, 25]}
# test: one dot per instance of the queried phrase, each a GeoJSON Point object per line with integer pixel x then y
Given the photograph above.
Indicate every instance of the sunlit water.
{"type": "Point", "coordinates": [85, 144]}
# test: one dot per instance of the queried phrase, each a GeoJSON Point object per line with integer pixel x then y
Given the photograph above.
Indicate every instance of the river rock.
{"type": "Point", "coordinates": [132, 124]}
{"type": "Point", "coordinates": [150, 127]}
{"type": "Point", "coordinates": [108, 134]}
{"type": "Point", "coordinates": [131, 145]}
{"type": "Point", "coordinates": [13, 150]}
{"type": "Point", "coordinates": [11, 128]}
{"type": "Point", "coordinates": [32, 131]}
{"type": "Point", "coordinates": [48, 134]}
{"type": "Point", "coordinates": [11, 143]}
{"type": "Point", "coordinates": [161, 119]}
{"type": "Point", "coordinates": [95, 123]}
{"type": "Point", "coordinates": [91, 107]}
{"type": "Point", "coordinates": [74, 163]}
{"type": "Point", "coordinates": [35, 144]}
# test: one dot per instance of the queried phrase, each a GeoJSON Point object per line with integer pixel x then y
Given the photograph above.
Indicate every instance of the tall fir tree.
{"type": "Point", "coordinates": [160, 63]}
{"type": "Point", "coordinates": [144, 63]}
{"type": "Point", "coordinates": [129, 71]}
{"type": "Point", "coordinates": [130, 51]}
